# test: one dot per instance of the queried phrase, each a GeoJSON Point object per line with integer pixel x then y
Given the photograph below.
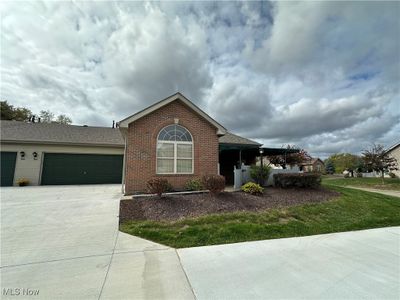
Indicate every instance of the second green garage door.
{"type": "Point", "coordinates": [63, 168]}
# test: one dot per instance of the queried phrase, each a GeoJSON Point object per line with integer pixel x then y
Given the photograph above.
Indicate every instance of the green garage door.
{"type": "Point", "coordinates": [62, 168]}
{"type": "Point", "coordinates": [7, 167]}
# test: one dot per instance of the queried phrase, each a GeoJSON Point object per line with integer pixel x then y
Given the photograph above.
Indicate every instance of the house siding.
{"type": "Point", "coordinates": [396, 154]}
{"type": "Point", "coordinates": [142, 141]}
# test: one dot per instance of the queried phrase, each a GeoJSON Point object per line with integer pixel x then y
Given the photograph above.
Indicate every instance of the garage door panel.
{"type": "Point", "coordinates": [61, 168]}
{"type": "Point", "coordinates": [7, 167]}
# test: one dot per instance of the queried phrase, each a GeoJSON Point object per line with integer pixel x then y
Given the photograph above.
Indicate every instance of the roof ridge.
{"type": "Point", "coordinates": [55, 124]}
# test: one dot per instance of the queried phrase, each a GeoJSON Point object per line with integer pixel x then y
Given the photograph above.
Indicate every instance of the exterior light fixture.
{"type": "Point", "coordinates": [261, 156]}
{"type": "Point", "coordinates": [22, 154]}
{"type": "Point", "coordinates": [35, 155]}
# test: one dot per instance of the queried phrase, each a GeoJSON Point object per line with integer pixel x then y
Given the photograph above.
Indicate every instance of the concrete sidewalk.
{"type": "Point", "coordinates": [385, 192]}
{"type": "Point", "coordinates": [63, 242]}
{"type": "Point", "coordinates": [350, 265]}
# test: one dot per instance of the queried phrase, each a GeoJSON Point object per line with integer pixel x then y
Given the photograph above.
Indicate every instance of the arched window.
{"type": "Point", "coordinates": [174, 150]}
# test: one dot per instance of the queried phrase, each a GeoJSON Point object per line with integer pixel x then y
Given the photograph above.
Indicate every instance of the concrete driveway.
{"type": "Point", "coordinates": [63, 241]}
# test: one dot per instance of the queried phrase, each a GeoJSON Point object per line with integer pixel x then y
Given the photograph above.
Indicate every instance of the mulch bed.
{"type": "Point", "coordinates": [174, 207]}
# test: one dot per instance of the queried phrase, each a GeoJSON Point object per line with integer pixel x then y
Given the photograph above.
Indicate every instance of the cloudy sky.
{"type": "Point", "coordinates": [321, 75]}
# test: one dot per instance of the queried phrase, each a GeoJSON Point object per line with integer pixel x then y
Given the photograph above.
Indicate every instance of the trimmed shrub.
{"type": "Point", "coordinates": [193, 185]}
{"type": "Point", "coordinates": [392, 175]}
{"type": "Point", "coordinates": [158, 186]}
{"type": "Point", "coordinates": [214, 183]}
{"type": "Point", "coordinates": [170, 188]}
{"type": "Point", "coordinates": [304, 180]}
{"type": "Point", "coordinates": [359, 174]}
{"type": "Point", "coordinates": [252, 188]}
{"type": "Point", "coordinates": [259, 174]}
{"type": "Point", "coordinates": [22, 182]}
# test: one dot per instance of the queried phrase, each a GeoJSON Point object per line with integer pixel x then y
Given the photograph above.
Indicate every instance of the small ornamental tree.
{"type": "Point", "coordinates": [290, 159]}
{"type": "Point", "coordinates": [377, 159]}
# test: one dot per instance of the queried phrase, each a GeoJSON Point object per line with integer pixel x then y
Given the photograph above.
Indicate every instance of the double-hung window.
{"type": "Point", "coordinates": [174, 150]}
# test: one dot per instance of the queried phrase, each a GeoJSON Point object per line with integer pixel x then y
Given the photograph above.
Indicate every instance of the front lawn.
{"type": "Point", "coordinates": [353, 210]}
{"type": "Point", "coordinates": [374, 183]}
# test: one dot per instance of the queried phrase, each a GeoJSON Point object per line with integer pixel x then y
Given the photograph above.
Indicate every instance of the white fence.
{"type": "Point", "coordinates": [375, 174]}
{"type": "Point", "coordinates": [241, 176]}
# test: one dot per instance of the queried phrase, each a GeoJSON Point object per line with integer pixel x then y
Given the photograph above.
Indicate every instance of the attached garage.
{"type": "Point", "coordinates": [65, 168]}
{"type": "Point", "coordinates": [51, 154]}
{"type": "Point", "coordinates": [7, 168]}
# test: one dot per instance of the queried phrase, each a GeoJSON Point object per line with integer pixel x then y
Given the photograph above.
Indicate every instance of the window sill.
{"type": "Point", "coordinates": [175, 174]}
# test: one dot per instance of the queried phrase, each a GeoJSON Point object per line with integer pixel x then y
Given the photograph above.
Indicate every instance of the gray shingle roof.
{"type": "Point", "coordinates": [391, 148]}
{"type": "Point", "coordinates": [311, 161]}
{"type": "Point", "coordinates": [230, 138]}
{"type": "Point", "coordinates": [51, 133]}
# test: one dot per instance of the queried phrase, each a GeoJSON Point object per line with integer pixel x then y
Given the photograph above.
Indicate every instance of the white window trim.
{"type": "Point", "coordinates": [175, 158]}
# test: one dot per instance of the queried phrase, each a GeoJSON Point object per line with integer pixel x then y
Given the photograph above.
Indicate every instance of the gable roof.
{"type": "Point", "coordinates": [52, 133]}
{"type": "Point", "coordinates": [230, 138]}
{"type": "Point", "coordinates": [178, 96]}
{"type": "Point", "coordinates": [391, 148]}
{"type": "Point", "coordinates": [312, 161]}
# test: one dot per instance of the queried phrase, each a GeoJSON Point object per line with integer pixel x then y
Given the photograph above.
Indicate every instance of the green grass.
{"type": "Point", "coordinates": [376, 183]}
{"type": "Point", "coordinates": [353, 210]}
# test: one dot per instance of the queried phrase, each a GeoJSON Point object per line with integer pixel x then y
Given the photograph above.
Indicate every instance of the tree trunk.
{"type": "Point", "coordinates": [383, 177]}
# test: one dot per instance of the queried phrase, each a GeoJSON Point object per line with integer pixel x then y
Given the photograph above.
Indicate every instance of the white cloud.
{"type": "Point", "coordinates": [323, 75]}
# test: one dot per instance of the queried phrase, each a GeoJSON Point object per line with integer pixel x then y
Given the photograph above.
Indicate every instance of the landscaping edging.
{"type": "Point", "coordinates": [172, 207]}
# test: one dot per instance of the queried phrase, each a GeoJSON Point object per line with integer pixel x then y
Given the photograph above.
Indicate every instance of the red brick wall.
{"type": "Point", "coordinates": [142, 141]}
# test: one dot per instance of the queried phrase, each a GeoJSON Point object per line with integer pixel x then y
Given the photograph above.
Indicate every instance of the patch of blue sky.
{"type": "Point", "coordinates": [363, 76]}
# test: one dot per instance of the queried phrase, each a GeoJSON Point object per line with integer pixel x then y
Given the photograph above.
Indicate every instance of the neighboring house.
{"type": "Point", "coordinates": [172, 139]}
{"type": "Point", "coordinates": [313, 165]}
{"type": "Point", "coordinates": [394, 151]}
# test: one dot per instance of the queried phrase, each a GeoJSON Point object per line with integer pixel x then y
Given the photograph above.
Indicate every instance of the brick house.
{"type": "Point", "coordinates": [172, 139]}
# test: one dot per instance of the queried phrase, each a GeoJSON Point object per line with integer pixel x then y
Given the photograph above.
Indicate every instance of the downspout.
{"type": "Point", "coordinates": [124, 167]}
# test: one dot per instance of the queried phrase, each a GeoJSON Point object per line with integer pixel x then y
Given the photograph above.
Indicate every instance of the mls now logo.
{"type": "Point", "coordinates": [20, 292]}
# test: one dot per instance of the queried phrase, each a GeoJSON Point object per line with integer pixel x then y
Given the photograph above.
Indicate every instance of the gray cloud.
{"type": "Point", "coordinates": [322, 75]}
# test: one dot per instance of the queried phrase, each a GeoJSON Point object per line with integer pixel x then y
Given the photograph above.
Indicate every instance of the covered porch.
{"type": "Point", "coordinates": [237, 154]}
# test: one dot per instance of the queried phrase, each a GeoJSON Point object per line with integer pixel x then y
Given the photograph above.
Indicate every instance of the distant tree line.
{"type": "Point", "coordinates": [9, 112]}
{"type": "Point", "coordinates": [375, 159]}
